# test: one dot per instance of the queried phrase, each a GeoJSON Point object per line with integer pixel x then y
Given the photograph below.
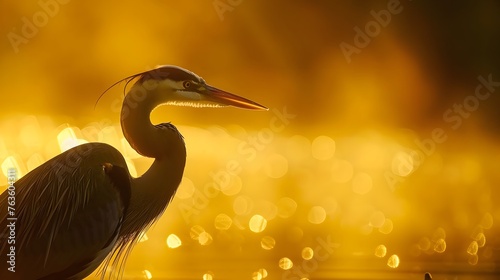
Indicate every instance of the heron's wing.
{"type": "Point", "coordinates": [69, 212]}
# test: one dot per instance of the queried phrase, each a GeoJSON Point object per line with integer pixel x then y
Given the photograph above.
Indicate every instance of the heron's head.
{"type": "Point", "coordinates": [174, 85]}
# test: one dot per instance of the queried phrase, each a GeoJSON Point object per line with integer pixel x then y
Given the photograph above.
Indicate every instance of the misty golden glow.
{"type": "Point", "coordinates": [385, 160]}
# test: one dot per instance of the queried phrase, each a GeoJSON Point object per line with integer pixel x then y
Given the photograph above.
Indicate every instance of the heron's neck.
{"type": "Point", "coordinates": [137, 128]}
{"type": "Point", "coordinates": [156, 187]}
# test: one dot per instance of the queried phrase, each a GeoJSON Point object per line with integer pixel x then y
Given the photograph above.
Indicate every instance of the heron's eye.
{"type": "Point", "coordinates": [187, 84]}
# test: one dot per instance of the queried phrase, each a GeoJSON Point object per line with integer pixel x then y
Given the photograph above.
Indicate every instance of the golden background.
{"type": "Point", "coordinates": [378, 164]}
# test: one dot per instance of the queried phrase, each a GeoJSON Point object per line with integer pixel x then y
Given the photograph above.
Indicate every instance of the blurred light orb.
{"type": "Point", "coordinates": [307, 253]}
{"type": "Point", "coordinates": [256, 275]}
{"type": "Point", "coordinates": [263, 272]}
{"type": "Point", "coordinates": [387, 227]}
{"type": "Point", "coordinates": [380, 251]}
{"type": "Point", "coordinates": [205, 239]}
{"type": "Point", "coordinates": [173, 241]}
{"type": "Point", "coordinates": [440, 246]}
{"type": "Point", "coordinates": [377, 219]}
{"type": "Point", "coordinates": [223, 222]}
{"type": "Point", "coordinates": [11, 162]}
{"type": "Point", "coordinates": [276, 166]}
{"type": "Point", "coordinates": [473, 248]}
{"type": "Point", "coordinates": [285, 263]}
{"type": "Point", "coordinates": [186, 189]}
{"type": "Point", "coordinates": [393, 261]}
{"type": "Point", "coordinates": [317, 215]}
{"type": "Point", "coordinates": [286, 207]}
{"type": "Point", "coordinates": [402, 164]}
{"type": "Point", "coordinates": [362, 183]}
{"type": "Point", "coordinates": [473, 259]}
{"type": "Point", "coordinates": [196, 231]}
{"type": "Point", "coordinates": [480, 239]}
{"type": "Point", "coordinates": [208, 276]}
{"type": "Point", "coordinates": [147, 274]}
{"type": "Point", "coordinates": [257, 223]}
{"type": "Point", "coordinates": [267, 242]}
{"type": "Point", "coordinates": [342, 171]}
{"type": "Point", "coordinates": [323, 148]}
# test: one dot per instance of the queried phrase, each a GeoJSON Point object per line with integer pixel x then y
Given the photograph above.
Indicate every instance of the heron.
{"type": "Point", "coordinates": [82, 208]}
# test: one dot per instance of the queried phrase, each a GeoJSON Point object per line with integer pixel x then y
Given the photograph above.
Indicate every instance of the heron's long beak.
{"type": "Point", "coordinates": [223, 97]}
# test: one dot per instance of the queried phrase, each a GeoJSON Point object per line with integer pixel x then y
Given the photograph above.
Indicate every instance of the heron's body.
{"type": "Point", "coordinates": [81, 233]}
{"type": "Point", "coordinates": [83, 206]}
